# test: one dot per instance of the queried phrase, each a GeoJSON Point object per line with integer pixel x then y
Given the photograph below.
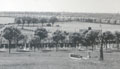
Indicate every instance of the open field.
{"type": "Point", "coordinates": [66, 26]}
{"type": "Point", "coordinates": [57, 60]}
{"type": "Point", "coordinates": [60, 59]}
{"type": "Point", "coordinates": [76, 26]}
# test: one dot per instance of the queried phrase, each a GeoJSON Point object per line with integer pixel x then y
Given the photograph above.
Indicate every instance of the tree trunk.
{"type": "Point", "coordinates": [34, 48]}
{"type": "Point", "coordinates": [28, 24]}
{"type": "Point", "coordinates": [93, 43]}
{"type": "Point", "coordinates": [109, 43]}
{"type": "Point", "coordinates": [16, 45]}
{"type": "Point", "coordinates": [23, 26]}
{"type": "Point", "coordinates": [33, 24]}
{"type": "Point", "coordinates": [86, 47]}
{"type": "Point", "coordinates": [42, 24]}
{"type": "Point", "coordinates": [52, 23]}
{"type": "Point", "coordinates": [56, 47]}
{"type": "Point", "coordinates": [9, 45]}
{"type": "Point", "coordinates": [92, 47]}
{"type": "Point", "coordinates": [118, 45]}
{"type": "Point", "coordinates": [39, 45]}
{"type": "Point", "coordinates": [101, 52]}
{"type": "Point", "coordinates": [106, 45]}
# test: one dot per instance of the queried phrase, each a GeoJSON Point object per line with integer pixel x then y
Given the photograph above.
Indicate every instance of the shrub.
{"type": "Point", "coordinates": [57, 25]}
{"type": "Point", "coordinates": [48, 25]}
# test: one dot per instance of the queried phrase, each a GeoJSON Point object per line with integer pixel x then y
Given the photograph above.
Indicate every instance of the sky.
{"type": "Point", "coordinates": [90, 6]}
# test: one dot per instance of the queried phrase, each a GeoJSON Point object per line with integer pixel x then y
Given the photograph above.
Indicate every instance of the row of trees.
{"type": "Point", "coordinates": [30, 20]}
{"type": "Point", "coordinates": [42, 20]}
{"type": "Point", "coordinates": [85, 38]}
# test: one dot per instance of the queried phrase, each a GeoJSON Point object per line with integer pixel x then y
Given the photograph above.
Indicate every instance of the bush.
{"type": "Point", "coordinates": [76, 56]}
{"type": "Point", "coordinates": [57, 25]}
{"type": "Point", "coordinates": [49, 25]}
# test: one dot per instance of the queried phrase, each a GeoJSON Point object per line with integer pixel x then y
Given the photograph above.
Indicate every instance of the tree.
{"type": "Point", "coordinates": [75, 38]}
{"type": "Point", "coordinates": [35, 41]}
{"type": "Point", "coordinates": [53, 20]}
{"type": "Point", "coordinates": [117, 38]}
{"type": "Point", "coordinates": [34, 20]}
{"type": "Point", "coordinates": [58, 36]}
{"type": "Point", "coordinates": [18, 21]}
{"type": "Point", "coordinates": [23, 20]}
{"type": "Point", "coordinates": [101, 47]}
{"type": "Point", "coordinates": [91, 37]}
{"type": "Point", "coordinates": [28, 19]}
{"type": "Point", "coordinates": [107, 37]}
{"type": "Point", "coordinates": [10, 33]}
{"type": "Point", "coordinates": [18, 38]}
{"type": "Point", "coordinates": [42, 33]}
{"type": "Point", "coordinates": [43, 20]}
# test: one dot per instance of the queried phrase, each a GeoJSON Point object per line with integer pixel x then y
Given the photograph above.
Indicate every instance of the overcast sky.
{"type": "Point", "coordinates": [94, 6]}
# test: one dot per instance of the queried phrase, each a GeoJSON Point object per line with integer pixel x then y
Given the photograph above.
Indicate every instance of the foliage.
{"type": "Point", "coordinates": [75, 37]}
{"type": "Point", "coordinates": [49, 25]}
{"type": "Point", "coordinates": [59, 36]}
{"type": "Point", "coordinates": [108, 35]}
{"type": "Point", "coordinates": [43, 20]}
{"type": "Point", "coordinates": [35, 40]}
{"type": "Point", "coordinates": [117, 38]}
{"type": "Point", "coordinates": [117, 35]}
{"type": "Point", "coordinates": [18, 21]}
{"type": "Point", "coordinates": [90, 38]}
{"type": "Point", "coordinates": [11, 33]}
{"type": "Point", "coordinates": [42, 33]}
{"type": "Point", "coordinates": [53, 20]}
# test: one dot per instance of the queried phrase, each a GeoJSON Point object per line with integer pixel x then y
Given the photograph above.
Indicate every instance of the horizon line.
{"type": "Point", "coordinates": [65, 12]}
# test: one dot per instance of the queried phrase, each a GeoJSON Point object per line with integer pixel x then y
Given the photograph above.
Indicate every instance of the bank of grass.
{"type": "Point", "coordinates": [57, 60]}
{"type": "Point", "coordinates": [67, 26]}
{"type": "Point", "coordinates": [61, 59]}
{"type": "Point", "coordinates": [73, 26]}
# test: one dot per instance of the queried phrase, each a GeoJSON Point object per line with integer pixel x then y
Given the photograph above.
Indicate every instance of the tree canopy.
{"type": "Point", "coordinates": [42, 33]}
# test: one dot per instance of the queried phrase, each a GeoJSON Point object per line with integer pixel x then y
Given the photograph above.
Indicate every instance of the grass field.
{"type": "Point", "coordinates": [57, 60]}
{"type": "Point", "coordinates": [76, 26]}
{"type": "Point", "coordinates": [69, 27]}
{"type": "Point", "coordinates": [61, 59]}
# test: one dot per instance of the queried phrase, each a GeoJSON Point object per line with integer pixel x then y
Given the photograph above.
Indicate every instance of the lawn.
{"type": "Point", "coordinates": [61, 59]}
{"type": "Point", "coordinates": [75, 26]}
{"type": "Point", "coordinates": [69, 27]}
{"type": "Point", "coordinates": [57, 60]}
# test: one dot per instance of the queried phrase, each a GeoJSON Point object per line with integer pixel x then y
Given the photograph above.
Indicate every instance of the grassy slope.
{"type": "Point", "coordinates": [60, 60]}
{"type": "Point", "coordinates": [76, 26]}
{"type": "Point", "coordinates": [56, 60]}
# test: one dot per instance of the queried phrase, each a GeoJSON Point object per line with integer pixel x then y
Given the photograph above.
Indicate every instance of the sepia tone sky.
{"type": "Point", "coordinates": [92, 6]}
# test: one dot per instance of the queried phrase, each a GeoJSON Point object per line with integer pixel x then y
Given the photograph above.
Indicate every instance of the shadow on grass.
{"type": "Point", "coordinates": [64, 50]}
{"type": "Point", "coordinates": [45, 51]}
{"type": "Point", "coordinates": [111, 51]}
